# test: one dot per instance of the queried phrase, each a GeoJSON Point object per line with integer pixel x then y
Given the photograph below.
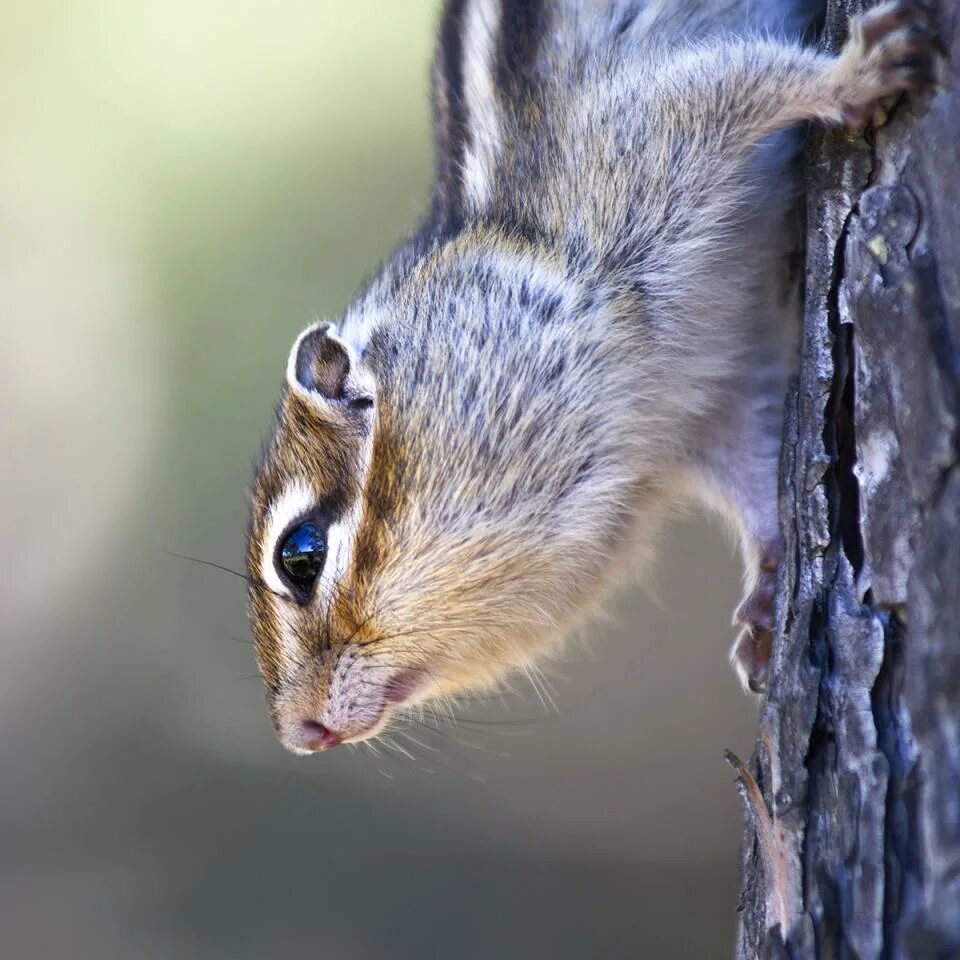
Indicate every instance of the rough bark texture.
{"type": "Point", "coordinates": [852, 846]}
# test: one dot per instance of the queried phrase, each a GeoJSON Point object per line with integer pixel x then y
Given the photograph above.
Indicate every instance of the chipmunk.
{"type": "Point", "coordinates": [588, 328]}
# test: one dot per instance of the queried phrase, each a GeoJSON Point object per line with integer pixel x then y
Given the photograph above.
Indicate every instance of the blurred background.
{"type": "Point", "coordinates": [183, 187]}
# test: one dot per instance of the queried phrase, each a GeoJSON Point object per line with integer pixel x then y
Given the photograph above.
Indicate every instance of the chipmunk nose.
{"type": "Point", "coordinates": [315, 736]}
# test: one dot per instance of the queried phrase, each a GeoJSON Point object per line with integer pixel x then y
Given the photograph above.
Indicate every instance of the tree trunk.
{"type": "Point", "coordinates": [852, 847]}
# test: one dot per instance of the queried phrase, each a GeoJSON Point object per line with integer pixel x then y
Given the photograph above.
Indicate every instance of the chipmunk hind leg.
{"type": "Point", "coordinates": [735, 473]}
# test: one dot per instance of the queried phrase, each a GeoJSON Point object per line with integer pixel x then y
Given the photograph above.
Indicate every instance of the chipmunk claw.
{"type": "Point", "coordinates": [750, 654]}
{"type": "Point", "coordinates": [891, 49]}
{"type": "Point", "coordinates": [750, 657]}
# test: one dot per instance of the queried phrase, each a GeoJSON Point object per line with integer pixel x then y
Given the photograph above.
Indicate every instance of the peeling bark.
{"type": "Point", "coordinates": [857, 763]}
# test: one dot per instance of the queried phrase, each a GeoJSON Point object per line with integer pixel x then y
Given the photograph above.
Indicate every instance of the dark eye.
{"type": "Point", "coordinates": [301, 557]}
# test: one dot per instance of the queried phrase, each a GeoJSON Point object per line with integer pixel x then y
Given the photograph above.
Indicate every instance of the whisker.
{"type": "Point", "coordinates": [436, 756]}
{"type": "Point", "coordinates": [246, 641]}
{"type": "Point", "coordinates": [460, 741]}
{"type": "Point", "coordinates": [520, 728]}
{"type": "Point", "coordinates": [367, 757]}
{"type": "Point", "coordinates": [255, 581]}
{"type": "Point", "coordinates": [399, 748]}
{"type": "Point", "coordinates": [419, 743]}
{"type": "Point", "coordinates": [208, 563]}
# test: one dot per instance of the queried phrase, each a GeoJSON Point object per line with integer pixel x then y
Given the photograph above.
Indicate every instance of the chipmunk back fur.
{"type": "Point", "coordinates": [592, 325]}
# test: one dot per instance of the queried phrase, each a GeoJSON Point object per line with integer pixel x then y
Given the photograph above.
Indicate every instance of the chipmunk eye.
{"type": "Point", "coordinates": [301, 557]}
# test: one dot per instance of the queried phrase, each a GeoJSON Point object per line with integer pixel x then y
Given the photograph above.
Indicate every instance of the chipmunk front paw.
{"type": "Point", "coordinates": [890, 49]}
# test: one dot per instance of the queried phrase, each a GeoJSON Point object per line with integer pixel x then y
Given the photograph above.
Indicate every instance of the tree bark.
{"type": "Point", "coordinates": [852, 846]}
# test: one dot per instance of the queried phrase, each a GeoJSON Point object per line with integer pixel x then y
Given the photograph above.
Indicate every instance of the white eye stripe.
{"type": "Point", "coordinates": [340, 536]}
{"type": "Point", "coordinates": [297, 499]}
{"type": "Point", "coordinates": [339, 539]}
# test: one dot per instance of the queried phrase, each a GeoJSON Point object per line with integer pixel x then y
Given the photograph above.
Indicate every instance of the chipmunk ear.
{"type": "Point", "coordinates": [325, 369]}
{"type": "Point", "coordinates": [319, 362]}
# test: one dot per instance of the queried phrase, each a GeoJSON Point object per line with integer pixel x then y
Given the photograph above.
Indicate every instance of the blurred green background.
{"type": "Point", "coordinates": [183, 187]}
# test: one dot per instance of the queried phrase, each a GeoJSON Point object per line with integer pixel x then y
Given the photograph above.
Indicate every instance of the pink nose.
{"type": "Point", "coordinates": [315, 736]}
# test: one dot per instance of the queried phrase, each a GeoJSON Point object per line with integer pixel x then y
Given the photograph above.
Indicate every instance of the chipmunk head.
{"type": "Point", "coordinates": [431, 509]}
